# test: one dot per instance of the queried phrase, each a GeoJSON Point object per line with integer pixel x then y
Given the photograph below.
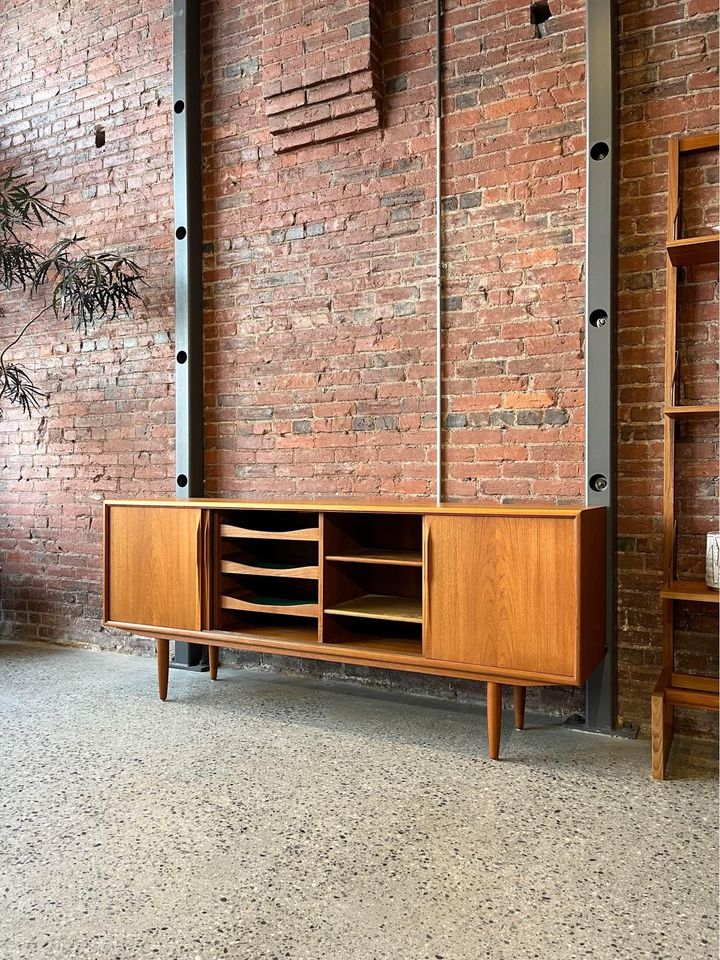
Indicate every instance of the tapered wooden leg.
{"type": "Point", "coordinates": [494, 718]}
{"type": "Point", "coordinates": [519, 693]}
{"type": "Point", "coordinates": [163, 666]}
{"type": "Point", "coordinates": [213, 658]}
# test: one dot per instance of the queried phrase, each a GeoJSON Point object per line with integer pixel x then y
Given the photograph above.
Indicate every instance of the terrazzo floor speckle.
{"type": "Point", "coordinates": [273, 818]}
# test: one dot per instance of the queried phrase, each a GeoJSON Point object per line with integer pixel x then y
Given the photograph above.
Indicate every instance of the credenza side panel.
{"type": "Point", "coordinates": [503, 592]}
{"type": "Point", "coordinates": [153, 566]}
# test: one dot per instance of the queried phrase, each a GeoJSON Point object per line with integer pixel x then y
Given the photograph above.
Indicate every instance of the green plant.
{"type": "Point", "coordinates": [80, 287]}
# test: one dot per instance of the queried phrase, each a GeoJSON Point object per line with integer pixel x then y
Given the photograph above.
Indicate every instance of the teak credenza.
{"type": "Point", "coordinates": [507, 595]}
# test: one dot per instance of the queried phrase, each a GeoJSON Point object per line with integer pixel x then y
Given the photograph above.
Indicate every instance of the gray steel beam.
{"type": "Point", "coordinates": [189, 425]}
{"type": "Point", "coordinates": [187, 173]}
{"type": "Point", "coordinates": [600, 326]}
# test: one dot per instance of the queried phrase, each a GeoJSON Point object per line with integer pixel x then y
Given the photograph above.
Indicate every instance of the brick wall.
{"type": "Point", "coordinates": [319, 276]}
{"type": "Point", "coordinates": [69, 69]}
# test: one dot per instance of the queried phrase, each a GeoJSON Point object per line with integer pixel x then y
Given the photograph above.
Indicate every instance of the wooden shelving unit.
{"type": "Point", "coordinates": [267, 572]}
{"type": "Point", "coordinates": [373, 580]}
{"type": "Point", "coordinates": [673, 688]}
{"type": "Point", "coordinates": [272, 571]}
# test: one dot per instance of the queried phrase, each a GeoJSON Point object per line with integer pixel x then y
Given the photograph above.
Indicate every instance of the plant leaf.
{"type": "Point", "coordinates": [17, 388]}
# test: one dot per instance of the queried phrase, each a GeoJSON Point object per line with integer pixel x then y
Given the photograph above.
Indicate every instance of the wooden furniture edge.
{"type": "Point", "coordinates": [105, 599]}
{"type": "Point", "coordinates": [350, 506]}
{"type": "Point", "coordinates": [341, 653]}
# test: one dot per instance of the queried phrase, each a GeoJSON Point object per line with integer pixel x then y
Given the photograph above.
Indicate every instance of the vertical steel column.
{"type": "Point", "coordinates": [600, 324]}
{"type": "Point", "coordinates": [438, 253]}
{"type": "Point", "coordinates": [187, 147]}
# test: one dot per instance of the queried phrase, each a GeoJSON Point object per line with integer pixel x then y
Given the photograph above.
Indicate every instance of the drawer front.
{"type": "Point", "coordinates": [502, 592]}
{"type": "Point", "coordinates": [152, 566]}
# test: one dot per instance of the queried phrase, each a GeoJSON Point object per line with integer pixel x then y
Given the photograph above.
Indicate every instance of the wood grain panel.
{"type": "Point", "coordinates": [153, 560]}
{"type": "Point", "coordinates": [502, 593]}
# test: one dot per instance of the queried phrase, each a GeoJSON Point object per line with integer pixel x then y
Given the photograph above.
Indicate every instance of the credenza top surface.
{"type": "Point", "coordinates": [420, 507]}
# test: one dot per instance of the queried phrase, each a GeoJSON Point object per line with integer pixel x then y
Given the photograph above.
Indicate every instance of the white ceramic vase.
{"type": "Point", "coordinates": [712, 561]}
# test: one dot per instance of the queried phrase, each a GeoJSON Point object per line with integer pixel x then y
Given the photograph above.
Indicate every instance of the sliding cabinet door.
{"type": "Point", "coordinates": [502, 592]}
{"type": "Point", "coordinates": [153, 566]}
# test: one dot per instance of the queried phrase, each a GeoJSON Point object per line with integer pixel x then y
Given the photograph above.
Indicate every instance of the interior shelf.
{"type": "Point", "coordinates": [230, 530]}
{"type": "Point", "coordinates": [265, 628]}
{"type": "Point", "coordinates": [374, 606]}
{"type": "Point", "coordinates": [693, 411]}
{"type": "Point", "coordinates": [289, 633]}
{"type": "Point", "coordinates": [256, 603]}
{"type": "Point", "coordinates": [398, 558]}
{"type": "Point", "coordinates": [691, 251]}
{"type": "Point", "coordinates": [695, 590]}
{"type": "Point", "coordinates": [269, 568]}
{"type": "Point", "coordinates": [384, 646]}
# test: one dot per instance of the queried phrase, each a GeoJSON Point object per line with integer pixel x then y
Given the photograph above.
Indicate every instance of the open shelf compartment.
{"type": "Point", "coordinates": [264, 627]}
{"type": "Point", "coordinates": [365, 597]}
{"type": "Point", "coordinates": [267, 565]}
{"type": "Point", "coordinates": [388, 637]}
{"type": "Point", "coordinates": [292, 525]}
{"type": "Point", "coordinates": [270, 558]}
{"type": "Point", "coordinates": [371, 538]}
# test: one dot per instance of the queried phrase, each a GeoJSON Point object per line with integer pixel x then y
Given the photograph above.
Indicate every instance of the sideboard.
{"type": "Point", "coordinates": [506, 595]}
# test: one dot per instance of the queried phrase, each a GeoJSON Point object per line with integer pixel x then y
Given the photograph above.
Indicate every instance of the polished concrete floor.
{"type": "Point", "coordinates": [265, 818]}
